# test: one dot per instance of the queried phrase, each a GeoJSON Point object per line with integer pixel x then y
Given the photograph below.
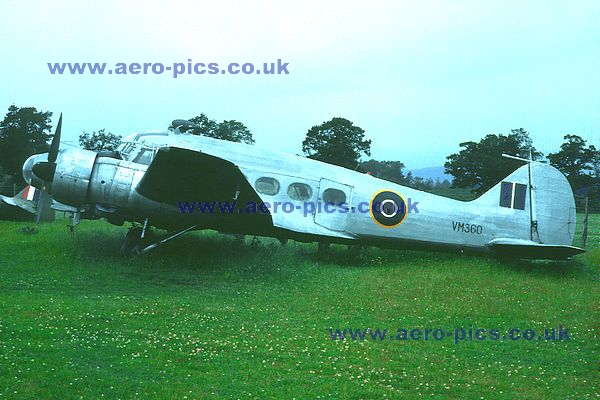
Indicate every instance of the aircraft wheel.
{"type": "Point", "coordinates": [136, 250]}
{"type": "Point", "coordinates": [133, 244]}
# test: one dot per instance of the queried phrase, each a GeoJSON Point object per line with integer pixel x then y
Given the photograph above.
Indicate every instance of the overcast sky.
{"type": "Point", "coordinates": [419, 77]}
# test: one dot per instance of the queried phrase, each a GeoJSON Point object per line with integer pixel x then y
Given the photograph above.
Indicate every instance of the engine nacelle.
{"type": "Point", "coordinates": [72, 177]}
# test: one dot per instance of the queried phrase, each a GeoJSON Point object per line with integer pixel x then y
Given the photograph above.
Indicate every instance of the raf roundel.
{"type": "Point", "coordinates": [388, 209]}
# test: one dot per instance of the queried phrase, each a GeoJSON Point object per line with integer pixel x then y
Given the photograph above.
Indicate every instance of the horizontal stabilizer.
{"type": "Point", "coordinates": [527, 249]}
{"type": "Point", "coordinates": [26, 199]}
{"type": "Point", "coordinates": [18, 208]}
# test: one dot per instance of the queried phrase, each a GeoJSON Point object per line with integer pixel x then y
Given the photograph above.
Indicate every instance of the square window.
{"type": "Point", "coordinates": [520, 195]}
{"type": "Point", "coordinates": [506, 189]}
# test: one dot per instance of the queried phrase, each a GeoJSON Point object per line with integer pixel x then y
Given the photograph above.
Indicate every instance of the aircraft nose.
{"type": "Point", "coordinates": [28, 166]}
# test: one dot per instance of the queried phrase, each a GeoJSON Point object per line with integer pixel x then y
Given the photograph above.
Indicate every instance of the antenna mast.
{"type": "Point", "coordinates": [534, 235]}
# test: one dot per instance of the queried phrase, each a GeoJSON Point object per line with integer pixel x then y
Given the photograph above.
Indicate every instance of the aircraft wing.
{"type": "Point", "coordinates": [178, 175]}
{"type": "Point", "coordinates": [529, 249]}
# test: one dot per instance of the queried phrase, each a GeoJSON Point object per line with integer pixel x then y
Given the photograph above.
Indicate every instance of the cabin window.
{"type": "Point", "coordinates": [299, 191]}
{"type": "Point", "coordinates": [268, 186]}
{"type": "Point", "coordinates": [144, 157]}
{"type": "Point", "coordinates": [513, 195]}
{"type": "Point", "coordinates": [334, 196]}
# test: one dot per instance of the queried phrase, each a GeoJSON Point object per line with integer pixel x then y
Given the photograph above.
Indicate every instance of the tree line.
{"type": "Point", "coordinates": [476, 167]}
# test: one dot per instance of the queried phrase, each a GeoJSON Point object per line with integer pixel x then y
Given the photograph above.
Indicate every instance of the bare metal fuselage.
{"type": "Point", "coordinates": [154, 173]}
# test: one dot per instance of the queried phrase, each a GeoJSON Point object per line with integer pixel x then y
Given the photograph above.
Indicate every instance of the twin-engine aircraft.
{"type": "Point", "coordinates": [182, 182]}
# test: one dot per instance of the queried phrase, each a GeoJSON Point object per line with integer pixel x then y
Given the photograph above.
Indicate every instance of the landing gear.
{"type": "Point", "coordinates": [134, 244]}
{"type": "Point", "coordinates": [141, 240]}
{"type": "Point", "coordinates": [74, 219]}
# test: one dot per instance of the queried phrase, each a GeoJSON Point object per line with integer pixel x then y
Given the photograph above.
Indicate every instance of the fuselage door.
{"type": "Point", "coordinates": [333, 205]}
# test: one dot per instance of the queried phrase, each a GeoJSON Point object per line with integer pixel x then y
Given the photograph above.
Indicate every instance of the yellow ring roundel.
{"type": "Point", "coordinates": [388, 209]}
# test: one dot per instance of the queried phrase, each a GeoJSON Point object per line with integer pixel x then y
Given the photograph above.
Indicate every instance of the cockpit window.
{"type": "Point", "coordinates": [144, 157]}
{"type": "Point", "coordinates": [126, 149]}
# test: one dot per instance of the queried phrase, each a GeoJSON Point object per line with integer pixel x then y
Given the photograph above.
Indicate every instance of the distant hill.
{"type": "Point", "coordinates": [432, 173]}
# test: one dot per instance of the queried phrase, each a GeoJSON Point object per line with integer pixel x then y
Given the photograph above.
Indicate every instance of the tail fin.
{"type": "Point", "coordinates": [554, 205]}
{"type": "Point", "coordinates": [29, 193]}
{"type": "Point", "coordinates": [31, 200]}
{"type": "Point", "coordinates": [24, 199]}
{"type": "Point", "coordinates": [548, 219]}
{"type": "Point", "coordinates": [17, 208]}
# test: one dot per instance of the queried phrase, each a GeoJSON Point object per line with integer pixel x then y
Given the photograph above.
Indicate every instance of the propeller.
{"type": "Point", "coordinates": [43, 170]}
{"type": "Point", "coordinates": [43, 200]}
{"type": "Point", "coordinates": [39, 171]}
{"type": "Point", "coordinates": [53, 154]}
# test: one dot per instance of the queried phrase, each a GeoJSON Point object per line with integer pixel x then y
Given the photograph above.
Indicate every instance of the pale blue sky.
{"type": "Point", "coordinates": [420, 77]}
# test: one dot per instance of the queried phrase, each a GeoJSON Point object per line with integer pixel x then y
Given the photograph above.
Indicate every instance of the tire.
{"type": "Point", "coordinates": [133, 243]}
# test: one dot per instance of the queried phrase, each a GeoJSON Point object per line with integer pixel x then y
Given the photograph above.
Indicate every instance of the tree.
{"type": "Point", "coordinates": [445, 184]}
{"type": "Point", "coordinates": [388, 170]}
{"type": "Point", "coordinates": [576, 160]}
{"type": "Point", "coordinates": [596, 167]}
{"type": "Point", "coordinates": [23, 132]}
{"type": "Point", "coordinates": [100, 140]}
{"type": "Point", "coordinates": [233, 131]}
{"type": "Point", "coordinates": [422, 183]}
{"type": "Point", "coordinates": [206, 126]}
{"type": "Point", "coordinates": [409, 179]}
{"type": "Point", "coordinates": [480, 165]}
{"type": "Point", "coordinates": [6, 186]}
{"type": "Point", "coordinates": [337, 142]}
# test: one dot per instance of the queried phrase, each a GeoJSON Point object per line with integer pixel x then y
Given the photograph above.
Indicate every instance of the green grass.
{"type": "Point", "coordinates": [208, 317]}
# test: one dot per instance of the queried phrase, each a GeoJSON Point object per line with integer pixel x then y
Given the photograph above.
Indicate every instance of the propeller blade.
{"type": "Point", "coordinates": [53, 153]}
{"type": "Point", "coordinates": [40, 206]}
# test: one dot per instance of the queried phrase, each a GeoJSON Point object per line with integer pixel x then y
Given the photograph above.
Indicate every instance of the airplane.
{"type": "Point", "coordinates": [529, 214]}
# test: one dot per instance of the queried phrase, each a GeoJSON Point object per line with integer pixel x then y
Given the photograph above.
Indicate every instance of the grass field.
{"type": "Point", "coordinates": [209, 317]}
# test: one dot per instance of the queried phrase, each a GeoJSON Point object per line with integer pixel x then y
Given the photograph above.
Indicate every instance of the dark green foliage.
{"type": "Point", "coordinates": [480, 165]}
{"type": "Point", "coordinates": [232, 130]}
{"type": "Point", "coordinates": [427, 185]}
{"type": "Point", "coordinates": [206, 126]}
{"type": "Point", "coordinates": [23, 132]}
{"type": "Point", "coordinates": [581, 165]}
{"type": "Point", "coordinates": [337, 142]}
{"type": "Point", "coordinates": [576, 161]}
{"type": "Point", "coordinates": [388, 170]}
{"type": "Point", "coordinates": [100, 140]}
